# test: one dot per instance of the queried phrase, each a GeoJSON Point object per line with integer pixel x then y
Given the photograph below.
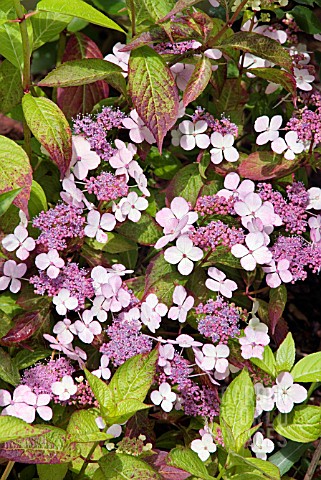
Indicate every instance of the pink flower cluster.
{"type": "Point", "coordinates": [107, 186]}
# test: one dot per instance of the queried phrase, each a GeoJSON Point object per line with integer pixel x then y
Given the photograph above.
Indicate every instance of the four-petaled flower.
{"type": "Point", "coordinates": [287, 393]}
{"type": "Point", "coordinates": [303, 79]}
{"type": "Point", "coordinates": [116, 297]}
{"type": "Point", "coordinates": [219, 283]}
{"type": "Point", "coordinates": [254, 341]}
{"type": "Point", "coordinates": [290, 144]}
{"type": "Point", "coordinates": [261, 446]}
{"type": "Point", "coordinates": [103, 370]}
{"type": "Point", "coordinates": [277, 273]}
{"type": "Point", "coordinates": [212, 357]}
{"type": "Point", "coordinates": [254, 252]}
{"type": "Point", "coordinates": [193, 134]}
{"type": "Point", "coordinates": [119, 58]}
{"type": "Point", "coordinates": [83, 158]}
{"type": "Point", "coordinates": [64, 301]}
{"type": "Point", "coordinates": [164, 397]}
{"type": "Point", "coordinates": [86, 328]}
{"type": "Point", "coordinates": [11, 275]}
{"type": "Point", "coordinates": [152, 311]}
{"type": "Point", "coordinates": [19, 241]}
{"type": "Point", "coordinates": [268, 129]}
{"type": "Point", "coordinates": [97, 224]}
{"type": "Point", "coordinates": [184, 304]}
{"type": "Point", "coordinates": [138, 131]}
{"type": "Point", "coordinates": [264, 399]}
{"type": "Point", "coordinates": [223, 148]}
{"type": "Point", "coordinates": [63, 330]}
{"type": "Point", "coordinates": [132, 206]}
{"type": "Point", "coordinates": [184, 254]}
{"type": "Point", "coordinates": [65, 388]}
{"type": "Point", "coordinates": [204, 446]}
{"type": "Point", "coordinates": [234, 187]}
{"type": "Point", "coordinates": [51, 262]}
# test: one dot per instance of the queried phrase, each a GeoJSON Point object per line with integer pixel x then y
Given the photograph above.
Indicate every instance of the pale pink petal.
{"type": "Point", "coordinates": [185, 266]}
{"type": "Point", "coordinates": [188, 142]}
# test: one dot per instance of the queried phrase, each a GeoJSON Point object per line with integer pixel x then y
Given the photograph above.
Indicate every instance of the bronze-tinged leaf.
{"type": "Point", "coordinates": [198, 81]}
{"type": "Point", "coordinates": [81, 99]}
{"type": "Point", "coordinates": [285, 79]}
{"type": "Point", "coordinates": [179, 6]}
{"type": "Point", "coordinates": [278, 298]}
{"type": "Point", "coordinates": [158, 462]}
{"type": "Point", "coordinates": [153, 91]}
{"type": "Point", "coordinates": [15, 172]}
{"type": "Point", "coordinates": [26, 325]}
{"type": "Point", "coordinates": [266, 165]}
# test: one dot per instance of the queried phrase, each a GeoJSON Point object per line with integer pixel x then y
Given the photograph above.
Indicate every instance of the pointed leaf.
{"type": "Point", "coordinates": [50, 127]}
{"type": "Point", "coordinates": [15, 172]}
{"type": "Point", "coordinates": [285, 458]}
{"type": "Point", "coordinates": [308, 369]}
{"type": "Point", "coordinates": [302, 424]}
{"type": "Point", "coordinates": [278, 298]}
{"type": "Point", "coordinates": [285, 79]}
{"type": "Point", "coordinates": [153, 91]}
{"type": "Point", "coordinates": [80, 9]}
{"type": "Point", "coordinates": [26, 325]}
{"type": "Point", "coordinates": [8, 370]}
{"type": "Point", "coordinates": [144, 232]}
{"type": "Point", "coordinates": [47, 26]}
{"type": "Point", "coordinates": [81, 72]}
{"type": "Point", "coordinates": [187, 460]}
{"type": "Point", "coordinates": [120, 466]}
{"type": "Point", "coordinates": [179, 6]}
{"type": "Point", "coordinates": [259, 45]}
{"type": "Point", "coordinates": [186, 183]}
{"type": "Point", "coordinates": [266, 165]}
{"type": "Point", "coordinates": [7, 198]}
{"type": "Point", "coordinates": [285, 355]}
{"type": "Point", "coordinates": [198, 81]}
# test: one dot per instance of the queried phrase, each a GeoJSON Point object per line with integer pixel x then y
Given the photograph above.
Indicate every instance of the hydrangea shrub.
{"type": "Point", "coordinates": [151, 221]}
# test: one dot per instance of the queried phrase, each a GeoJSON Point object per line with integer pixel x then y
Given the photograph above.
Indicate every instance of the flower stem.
{"type": "Point", "coordinates": [133, 15]}
{"type": "Point", "coordinates": [26, 68]}
{"type": "Point", "coordinates": [7, 471]}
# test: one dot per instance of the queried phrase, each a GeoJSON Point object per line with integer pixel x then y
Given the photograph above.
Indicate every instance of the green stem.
{"type": "Point", "coordinates": [7, 471]}
{"type": "Point", "coordinates": [133, 15]}
{"type": "Point", "coordinates": [60, 51]}
{"type": "Point", "coordinates": [228, 24]}
{"type": "Point", "coordinates": [26, 74]}
{"type": "Point", "coordinates": [85, 464]}
{"type": "Point", "coordinates": [313, 387]}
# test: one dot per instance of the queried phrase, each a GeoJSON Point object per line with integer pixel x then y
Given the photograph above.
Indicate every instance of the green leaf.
{"type": "Point", "coordinates": [260, 46]}
{"type": "Point", "coordinates": [153, 91]}
{"type": "Point", "coordinates": [11, 44]}
{"type": "Point", "coordinates": [238, 404]}
{"type": "Point", "coordinates": [285, 458]}
{"type": "Point", "coordinates": [12, 428]}
{"type": "Point", "coordinates": [278, 299]}
{"type": "Point", "coordinates": [179, 6]}
{"type": "Point", "coordinates": [7, 198]}
{"type": "Point", "coordinates": [47, 26]}
{"type": "Point", "coordinates": [11, 90]}
{"type": "Point", "coordinates": [268, 363]}
{"type": "Point", "coordinates": [8, 370]}
{"type": "Point", "coordinates": [82, 72]}
{"type": "Point", "coordinates": [306, 19]}
{"type": "Point", "coordinates": [144, 232]}
{"type": "Point", "coordinates": [158, 10]}
{"type": "Point", "coordinates": [8, 304]}
{"type": "Point", "coordinates": [285, 79]}
{"type": "Point", "coordinates": [50, 446]}
{"type": "Point", "coordinates": [187, 183]}
{"type": "Point", "coordinates": [119, 466]}
{"type": "Point", "coordinates": [302, 424]}
{"type": "Point", "coordinates": [255, 466]}
{"type": "Point", "coordinates": [83, 428]}
{"type": "Point", "coordinates": [37, 201]}
{"type": "Point", "coordinates": [80, 9]}
{"type": "Point", "coordinates": [285, 355]}
{"type": "Point", "coordinates": [26, 358]}
{"type": "Point", "coordinates": [52, 472]}
{"type": "Point", "coordinates": [308, 369]}
{"type": "Point", "coordinates": [15, 171]}
{"type": "Point", "coordinates": [115, 244]}
{"type": "Point", "coordinates": [50, 127]}
{"type": "Point", "coordinates": [198, 81]}
{"type": "Point", "coordinates": [187, 460]}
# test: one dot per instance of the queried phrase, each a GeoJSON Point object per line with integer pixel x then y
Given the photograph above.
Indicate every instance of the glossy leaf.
{"type": "Point", "coordinates": [26, 325]}
{"type": "Point", "coordinates": [306, 19]}
{"type": "Point", "coordinates": [37, 201]}
{"type": "Point", "coordinates": [238, 403]}
{"type": "Point", "coordinates": [25, 358]}
{"type": "Point", "coordinates": [81, 72]}
{"type": "Point", "coordinates": [52, 472]}
{"type": "Point", "coordinates": [50, 127]}
{"type": "Point", "coordinates": [302, 424]}
{"type": "Point", "coordinates": [158, 10]}
{"type": "Point", "coordinates": [259, 45]}
{"type": "Point", "coordinates": [187, 460]}
{"type": "Point", "coordinates": [287, 456]}
{"type": "Point", "coordinates": [8, 370]}
{"type": "Point", "coordinates": [153, 91]}
{"type": "Point", "coordinates": [81, 99]}
{"type": "Point", "coordinates": [285, 355]}
{"type": "Point", "coordinates": [11, 90]}
{"type": "Point", "coordinates": [16, 173]}
{"type": "Point", "coordinates": [179, 6]}
{"type": "Point", "coordinates": [255, 466]}
{"type": "Point", "coordinates": [118, 466]}
{"type": "Point", "coordinates": [79, 9]}
{"type": "Point", "coordinates": [265, 166]}
{"type": "Point", "coordinates": [198, 81]}
{"type": "Point", "coordinates": [11, 44]}
{"type": "Point", "coordinates": [308, 369]}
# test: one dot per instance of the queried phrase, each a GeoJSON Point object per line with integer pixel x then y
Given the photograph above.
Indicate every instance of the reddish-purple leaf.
{"type": "Point", "coordinates": [153, 91]}
{"type": "Point", "coordinates": [82, 99]}
{"type": "Point", "coordinates": [179, 6]}
{"type": "Point", "coordinates": [266, 165]}
{"type": "Point", "coordinates": [141, 424]}
{"type": "Point", "coordinates": [278, 298]}
{"type": "Point", "coordinates": [198, 81]}
{"type": "Point", "coordinates": [281, 331]}
{"type": "Point", "coordinates": [15, 172]}
{"type": "Point", "coordinates": [51, 129]}
{"type": "Point", "coordinates": [26, 324]}
{"type": "Point", "coordinates": [158, 461]}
